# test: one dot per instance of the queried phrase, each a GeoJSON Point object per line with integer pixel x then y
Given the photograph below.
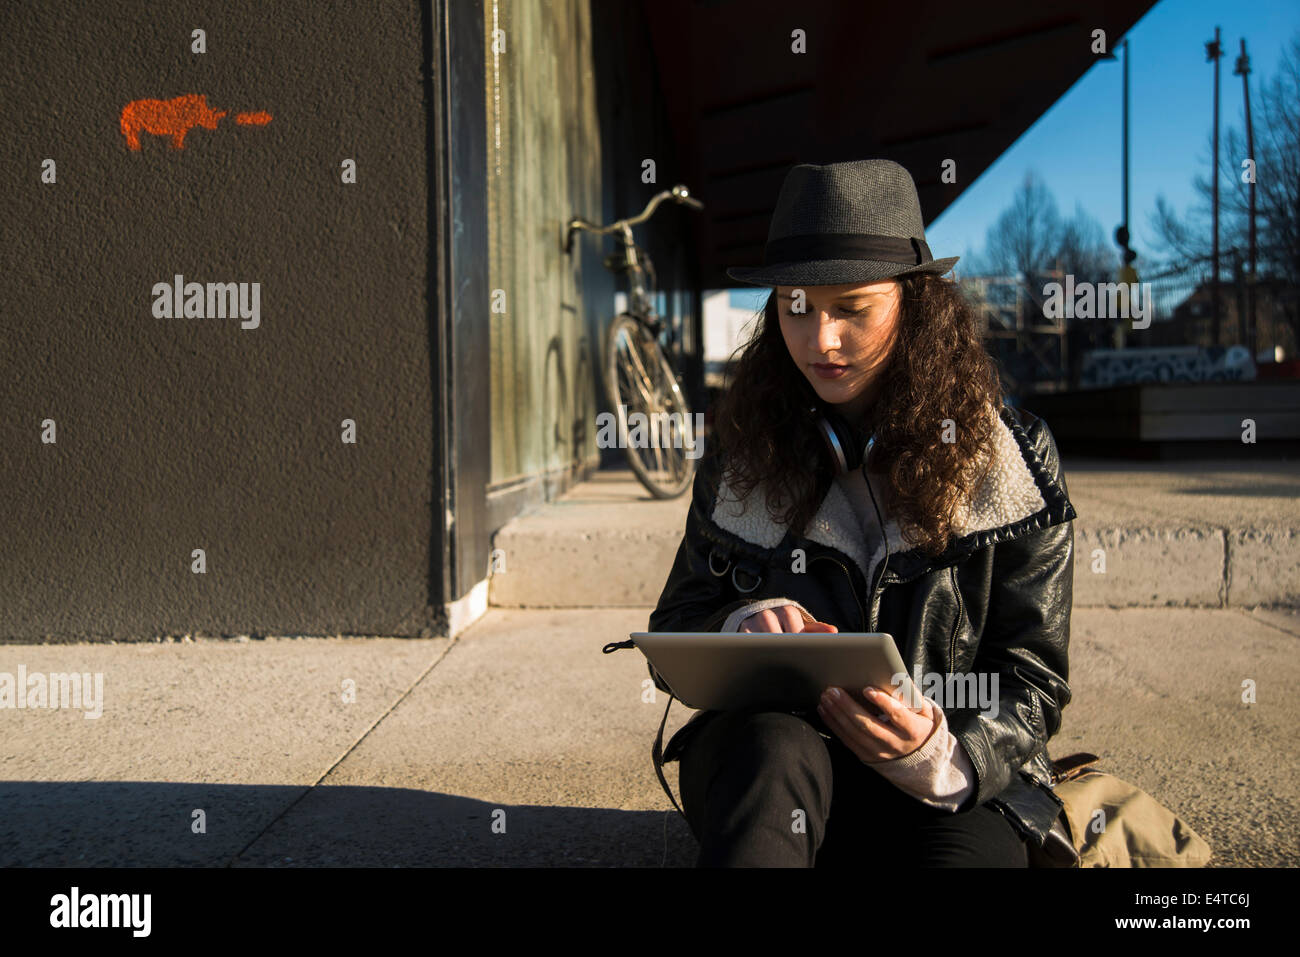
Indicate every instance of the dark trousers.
{"type": "Point", "coordinates": [765, 789]}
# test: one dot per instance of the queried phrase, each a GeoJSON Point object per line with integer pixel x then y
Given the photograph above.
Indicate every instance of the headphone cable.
{"type": "Point", "coordinates": [866, 456]}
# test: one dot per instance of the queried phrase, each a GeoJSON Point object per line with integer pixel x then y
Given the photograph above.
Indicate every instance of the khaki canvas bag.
{"type": "Point", "coordinates": [1111, 823]}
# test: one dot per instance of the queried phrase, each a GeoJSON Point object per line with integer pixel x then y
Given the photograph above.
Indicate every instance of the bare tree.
{"type": "Point", "coordinates": [1026, 237]}
{"type": "Point", "coordinates": [1029, 240]}
{"type": "Point", "coordinates": [1183, 239]}
{"type": "Point", "coordinates": [1277, 184]}
{"type": "Point", "coordinates": [1083, 250]}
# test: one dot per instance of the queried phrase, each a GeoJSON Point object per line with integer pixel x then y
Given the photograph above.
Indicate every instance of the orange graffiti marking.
{"type": "Point", "coordinates": [176, 117]}
{"type": "Point", "coordinates": [172, 118]}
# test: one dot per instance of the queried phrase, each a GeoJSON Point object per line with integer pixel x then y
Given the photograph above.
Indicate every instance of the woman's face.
{"type": "Point", "coordinates": [842, 339]}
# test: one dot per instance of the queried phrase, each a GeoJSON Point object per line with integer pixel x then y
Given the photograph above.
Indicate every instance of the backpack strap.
{"type": "Point", "coordinates": [657, 751]}
{"type": "Point", "coordinates": [657, 754]}
{"type": "Point", "coordinates": [1072, 766]}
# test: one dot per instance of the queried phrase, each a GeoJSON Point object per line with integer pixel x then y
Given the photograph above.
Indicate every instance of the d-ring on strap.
{"type": "Point", "coordinates": [717, 574]}
{"type": "Point", "coordinates": [758, 580]}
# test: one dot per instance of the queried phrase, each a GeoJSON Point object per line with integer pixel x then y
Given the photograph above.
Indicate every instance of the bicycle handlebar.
{"type": "Point", "coordinates": [678, 193]}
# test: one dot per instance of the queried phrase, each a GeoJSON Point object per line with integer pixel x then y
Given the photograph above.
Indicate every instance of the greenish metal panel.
{"type": "Point", "coordinates": [573, 109]}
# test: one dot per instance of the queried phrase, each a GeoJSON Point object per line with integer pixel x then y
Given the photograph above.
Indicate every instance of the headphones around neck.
{"type": "Point", "coordinates": [844, 449]}
{"type": "Point", "coordinates": [847, 454]}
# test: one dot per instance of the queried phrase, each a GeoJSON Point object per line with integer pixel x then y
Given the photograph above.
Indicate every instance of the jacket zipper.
{"type": "Point", "coordinates": [852, 586]}
{"type": "Point", "coordinates": [874, 598]}
{"type": "Point", "coordinates": [956, 625]}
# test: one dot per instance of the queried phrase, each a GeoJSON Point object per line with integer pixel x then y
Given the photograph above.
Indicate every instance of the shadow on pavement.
{"type": "Point", "coordinates": [149, 824]}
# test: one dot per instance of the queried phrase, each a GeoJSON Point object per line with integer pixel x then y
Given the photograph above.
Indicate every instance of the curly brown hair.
{"type": "Point", "coordinates": [938, 369]}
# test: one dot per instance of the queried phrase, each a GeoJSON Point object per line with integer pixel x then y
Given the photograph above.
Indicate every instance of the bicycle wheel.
{"type": "Point", "coordinates": [654, 422]}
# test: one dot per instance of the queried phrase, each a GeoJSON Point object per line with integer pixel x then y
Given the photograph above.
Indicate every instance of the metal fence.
{"type": "Point", "coordinates": [1052, 331]}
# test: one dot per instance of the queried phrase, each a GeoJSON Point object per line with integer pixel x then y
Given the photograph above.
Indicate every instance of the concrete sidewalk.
{"type": "Point", "coordinates": [1199, 534]}
{"type": "Point", "coordinates": [522, 720]}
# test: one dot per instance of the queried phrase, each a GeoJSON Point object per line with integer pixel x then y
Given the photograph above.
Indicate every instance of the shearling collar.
{"type": "Point", "coordinates": [1009, 496]}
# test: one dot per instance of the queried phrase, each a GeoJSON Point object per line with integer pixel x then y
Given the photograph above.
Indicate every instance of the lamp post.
{"type": "Point", "coordinates": [1213, 51]}
{"type": "Point", "coordinates": [1243, 70]}
{"type": "Point", "coordinates": [1127, 274]}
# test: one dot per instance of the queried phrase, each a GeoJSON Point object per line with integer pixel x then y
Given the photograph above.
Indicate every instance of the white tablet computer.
{"type": "Point", "coordinates": [722, 671]}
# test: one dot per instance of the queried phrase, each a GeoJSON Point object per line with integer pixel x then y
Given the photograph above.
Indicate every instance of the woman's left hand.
{"type": "Point", "coordinates": [896, 734]}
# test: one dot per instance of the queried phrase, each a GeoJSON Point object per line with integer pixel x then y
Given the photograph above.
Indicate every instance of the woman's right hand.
{"type": "Point", "coordinates": [782, 618]}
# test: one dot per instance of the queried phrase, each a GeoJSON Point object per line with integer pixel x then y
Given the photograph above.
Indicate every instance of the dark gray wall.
{"type": "Point", "coordinates": [176, 434]}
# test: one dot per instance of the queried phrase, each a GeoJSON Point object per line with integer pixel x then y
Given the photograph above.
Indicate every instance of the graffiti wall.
{"type": "Point", "coordinates": [1108, 367]}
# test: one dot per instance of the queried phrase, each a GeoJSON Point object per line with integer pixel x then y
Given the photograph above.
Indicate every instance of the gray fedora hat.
{"type": "Point", "coordinates": [858, 221]}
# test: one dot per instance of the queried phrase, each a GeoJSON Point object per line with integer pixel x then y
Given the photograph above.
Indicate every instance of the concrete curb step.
{"type": "Point", "coordinates": [610, 567]}
{"type": "Point", "coordinates": [606, 544]}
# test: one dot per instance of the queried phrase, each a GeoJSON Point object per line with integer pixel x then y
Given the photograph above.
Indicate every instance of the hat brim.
{"type": "Point", "coordinates": [833, 272]}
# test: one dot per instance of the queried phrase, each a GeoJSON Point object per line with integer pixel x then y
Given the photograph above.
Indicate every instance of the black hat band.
{"type": "Point", "coordinates": [892, 249]}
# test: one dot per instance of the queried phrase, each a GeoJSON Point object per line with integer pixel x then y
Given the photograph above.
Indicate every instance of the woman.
{"type": "Point", "coordinates": [955, 537]}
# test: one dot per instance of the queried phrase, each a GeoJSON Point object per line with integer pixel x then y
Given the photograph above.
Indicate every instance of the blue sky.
{"type": "Point", "coordinates": [1075, 146]}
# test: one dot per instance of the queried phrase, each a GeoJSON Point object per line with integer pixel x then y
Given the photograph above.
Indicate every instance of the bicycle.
{"type": "Point", "coordinates": [638, 376]}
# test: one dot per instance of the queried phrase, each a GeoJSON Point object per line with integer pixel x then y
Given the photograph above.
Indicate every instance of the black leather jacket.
{"type": "Point", "coordinates": [997, 600]}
